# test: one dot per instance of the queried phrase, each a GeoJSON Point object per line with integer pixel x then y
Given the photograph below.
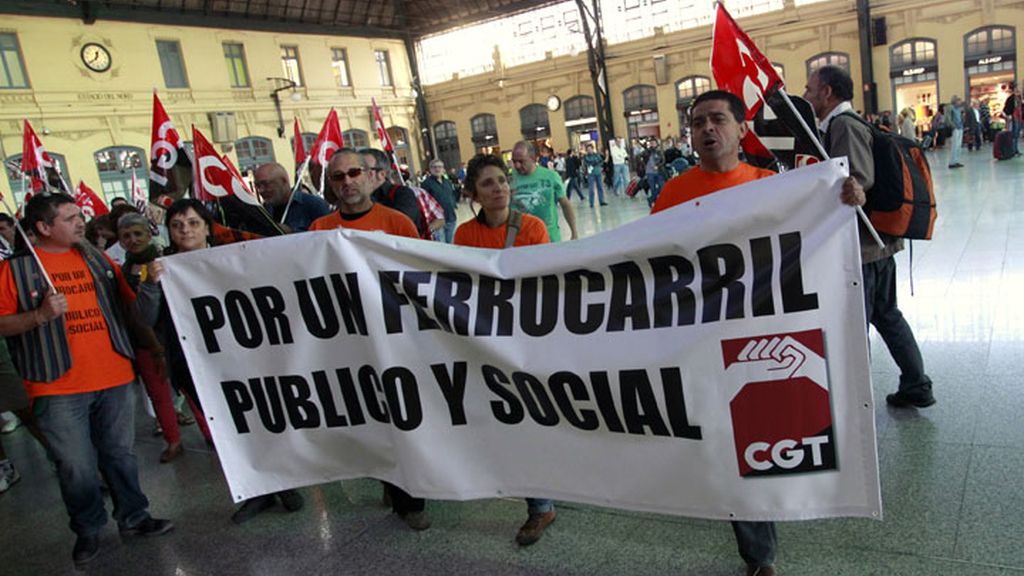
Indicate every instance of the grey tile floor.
{"type": "Point", "coordinates": [951, 474]}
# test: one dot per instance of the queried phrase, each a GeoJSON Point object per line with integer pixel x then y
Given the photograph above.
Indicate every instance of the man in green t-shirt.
{"type": "Point", "coordinates": [537, 190]}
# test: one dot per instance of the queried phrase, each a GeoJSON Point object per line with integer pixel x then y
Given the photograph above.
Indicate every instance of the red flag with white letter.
{"type": "Point", "coordinates": [328, 140]}
{"type": "Point", "coordinates": [247, 196]}
{"type": "Point", "coordinates": [738, 66]}
{"type": "Point", "coordinates": [382, 133]}
{"type": "Point", "coordinates": [90, 203]}
{"type": "Point", "coordinates": [300, 146]}
{"type": "Point", "coordinates": [37, 165]}
{"type": "Point", "coordinates": [167, 151]}
{"type": "Point", "coordinates": [215, 179]}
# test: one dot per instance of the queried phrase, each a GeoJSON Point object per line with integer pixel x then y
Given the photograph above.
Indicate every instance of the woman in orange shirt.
{"type": "Point", "coordinates": [487, 184]}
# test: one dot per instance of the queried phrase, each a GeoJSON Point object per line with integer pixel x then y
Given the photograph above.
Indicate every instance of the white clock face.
{"type": "Point", "coordinates": [96, 57]}
{"type": "Point", "coordinates": [554, 103]}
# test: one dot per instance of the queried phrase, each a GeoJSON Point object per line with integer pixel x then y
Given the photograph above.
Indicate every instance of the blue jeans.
{"type": "Point", "coordinates": [90, 431]}
{"type": "Point", "coordinates": [446, 234]}
{"type": "Point", "coordinates": [574, 184]}
{"type": "Point", "coordinates": [1015, 132]}
{"type": "Point", "coordinates": [620, 178]}
{"type": "Point", "coordinates": [756, 541]}
{"type": "Point", "coordinates": [956, 142]}
{"type": "Point", "coordinates": [654, 182]}
{"type": "Point", "coordinates": [881, 311]}
{"type": "Point", "coordinates": [539, 505]}
{"type": "Point", "coordinates": [594, 181]}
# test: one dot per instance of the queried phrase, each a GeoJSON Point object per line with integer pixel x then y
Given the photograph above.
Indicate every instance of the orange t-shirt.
{"type": "Point", "coordinates": [478, 234]}
{"type": "Point", "coordinates": [95, 365]}
{"type": "Point", "coordinates": [378, 219]}
{"type": "Point", "coordinates": [695, 183]}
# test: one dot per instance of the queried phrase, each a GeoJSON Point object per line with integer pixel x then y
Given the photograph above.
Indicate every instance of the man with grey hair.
{"type": "Point", "coordinates": [438, 186]}
{"type": "Point", "coordinates": [274, 188]}
{"type": "Point", "coordinates": [539, 190]}
{"type": "Point", "coordinates": [387, 193]}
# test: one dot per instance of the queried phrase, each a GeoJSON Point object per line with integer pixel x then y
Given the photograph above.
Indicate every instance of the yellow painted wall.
{"type": "Point", "coordinates": [789, 37]}
{"type": "Point", "coordinates": [84, 111]}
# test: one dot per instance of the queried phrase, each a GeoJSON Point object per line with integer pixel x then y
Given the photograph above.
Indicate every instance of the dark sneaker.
{"type": "Point", "coordinates": [417, 520]}
{"type": "Point", "coordinates": [252, 508]}
{"type": "Point", "coordinates": [904, 400]}
{"type": "Point", "coordinates": [760, 570]}
{"type": "Point", "coordinates": [291, 499]}
{"type": "Point", "coordinates": [149, 527]}
{"type": "Point", "coordinates": [534, 527]}
{"type": "Point", "coordinates": [86, 548]}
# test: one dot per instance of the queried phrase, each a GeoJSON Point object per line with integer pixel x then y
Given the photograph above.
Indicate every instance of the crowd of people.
{"type": "Point", "coordinates": [82, 332]}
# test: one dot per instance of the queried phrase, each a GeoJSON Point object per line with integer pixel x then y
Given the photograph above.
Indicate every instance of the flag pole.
{"type": "Point", "coordinates": [295, 188]}
{"type": "Point", "coordinates": [821, 150]}
{"type": "Point", "coordinates": [28, 243]}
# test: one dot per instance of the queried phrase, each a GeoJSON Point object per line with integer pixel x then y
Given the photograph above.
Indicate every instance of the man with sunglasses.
{"type": "Point", "coordinates": [350, 177]}
{"type": "Point", "coordinates": [352, 180]}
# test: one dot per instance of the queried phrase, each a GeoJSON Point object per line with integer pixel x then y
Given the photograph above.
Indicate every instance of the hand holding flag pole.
{"type": "Point", "coordinates": [25, 238]}
{"type": "Point", "coordinates": [740, 68]}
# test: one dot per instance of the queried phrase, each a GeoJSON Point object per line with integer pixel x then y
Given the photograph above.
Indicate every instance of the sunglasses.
{"type": "Point", "coordinates": [352, 174]}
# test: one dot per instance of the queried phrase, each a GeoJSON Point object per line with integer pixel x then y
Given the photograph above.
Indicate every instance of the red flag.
{"type": "Point", "coordinates": [300, 146]}
{"type": "Point", "coordinates": [138, 198]}
{"type": "Point", "coordinates": [328, 140]}
{"type": "Point", "coordinates": [382, 133]}
{"type": "Point", "coordinates": [90, 203]}
{"type": "Point", "coordinates": [738, 66]}
{"type": "Point", "coordinates": [166, 152]}
{"type": "Point", "coordinates": [37, 165]}
{"type": "Point", "coordinates": [213, 178]}
{"type": "Point", "coordinates": [248, 197]}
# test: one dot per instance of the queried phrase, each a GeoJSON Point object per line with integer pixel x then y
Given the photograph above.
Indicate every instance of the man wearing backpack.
{"type": "Point", "coordinates": [829, 91]}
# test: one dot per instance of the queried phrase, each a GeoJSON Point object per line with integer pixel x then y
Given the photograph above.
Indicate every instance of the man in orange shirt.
{"type": "Point", "coordinates": [348, 175]}
{"type": "Point", "coordinates": [716, 128]}
{"type": "Point", "coordinates": [73, 350]}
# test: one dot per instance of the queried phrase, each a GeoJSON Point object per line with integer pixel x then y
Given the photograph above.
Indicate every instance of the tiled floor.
{"type": "Point", "coordinates": [951, 475]}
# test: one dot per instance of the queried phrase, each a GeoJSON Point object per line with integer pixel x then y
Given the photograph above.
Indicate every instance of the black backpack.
{"type": "Point", "coordinates": [902, 201]}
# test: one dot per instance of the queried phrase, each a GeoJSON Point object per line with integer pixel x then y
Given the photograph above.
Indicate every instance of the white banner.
{"type": "Point", "coordinates": [707, 361]}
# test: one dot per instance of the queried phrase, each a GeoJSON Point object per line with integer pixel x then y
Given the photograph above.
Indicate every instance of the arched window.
{"type": "Point", "coordinates": [13, 168]}
{"type": "Point", "coordinates": [116, 165]}
{"type": "Point", "coordinates": [485, 130]}
{"type": "Point", "coordinates": [253, 151]}
{"type": "Point", "coordinates": [988, 41]}
{"type": "Point", "coordinates": [400, 140]}
{"type": "Point", "coordinates": [579, 108]}
{"type": "Point", "coordinates": [308, 139]}
{"type": "Point", "coordinates": [533, 122]}
{"type": "Point", "coordinates": [840, 59]}
{"type": "Point", "coordinates": [687, 89]}
{"type": "Point", "coordinates": [446, 139]}
{"type": "Point", "coordinates": [356, 138]}
{"type": "Point", "coordinates": [641, 97]}
{"type": "Point", "coordinates": [913, 52]}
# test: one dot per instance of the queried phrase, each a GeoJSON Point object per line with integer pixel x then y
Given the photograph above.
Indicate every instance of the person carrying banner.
{"type": "Point", "coordinates": [717, 126]}
{"type": "Point", "coordinates": [540, 191]}
{"type": "Point", "coordinates": [274, 189]}
{"type": "Point", "coordinates": [191, 228]}
{"type": "Point", "coordinates": [352, 177]}
{"type": "Point", "coordinates": [829, 90]}
{"type": "Point", "coordinates": [72, 346]}
{"type": "Point", "coordinates": [499, 226]}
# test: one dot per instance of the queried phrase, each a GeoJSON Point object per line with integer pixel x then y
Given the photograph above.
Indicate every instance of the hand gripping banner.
{"type": "Point", "coordinates": [707, 361]}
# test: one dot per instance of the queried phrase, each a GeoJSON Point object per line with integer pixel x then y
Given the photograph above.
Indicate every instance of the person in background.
{"type": "Point", "coordinates": [593, 163]}
{"type": "Point", "coordinates": [956, 140]}
{"type": "Point", "coordinates": [438, 186]}
{"type": "Point", "coordinates": [273, 186]}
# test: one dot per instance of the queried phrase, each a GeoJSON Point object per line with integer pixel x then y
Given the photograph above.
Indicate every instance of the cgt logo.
{"type": "Point", "coordinates": [781, 412]}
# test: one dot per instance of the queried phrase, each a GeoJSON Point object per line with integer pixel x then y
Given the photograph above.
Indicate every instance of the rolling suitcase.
{"type": "Point", "coordinates": [633, 187]}
{"type": "Point", "coordinates": [1002, 148]}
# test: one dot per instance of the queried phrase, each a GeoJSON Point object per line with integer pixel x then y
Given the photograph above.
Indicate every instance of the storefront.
{"type": "Point", "coordinates": [641, 111]}
{"type": "Point", "coordinates": [484, 128]}
{"type": "Point", "coordinates": [914, 71]}
{"type": "Point", "coordinates": [581, 121]}
{"type": "Point", "coordinates": [990, 57]}
{"type": "Point", "coordinates": [535, 127]}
